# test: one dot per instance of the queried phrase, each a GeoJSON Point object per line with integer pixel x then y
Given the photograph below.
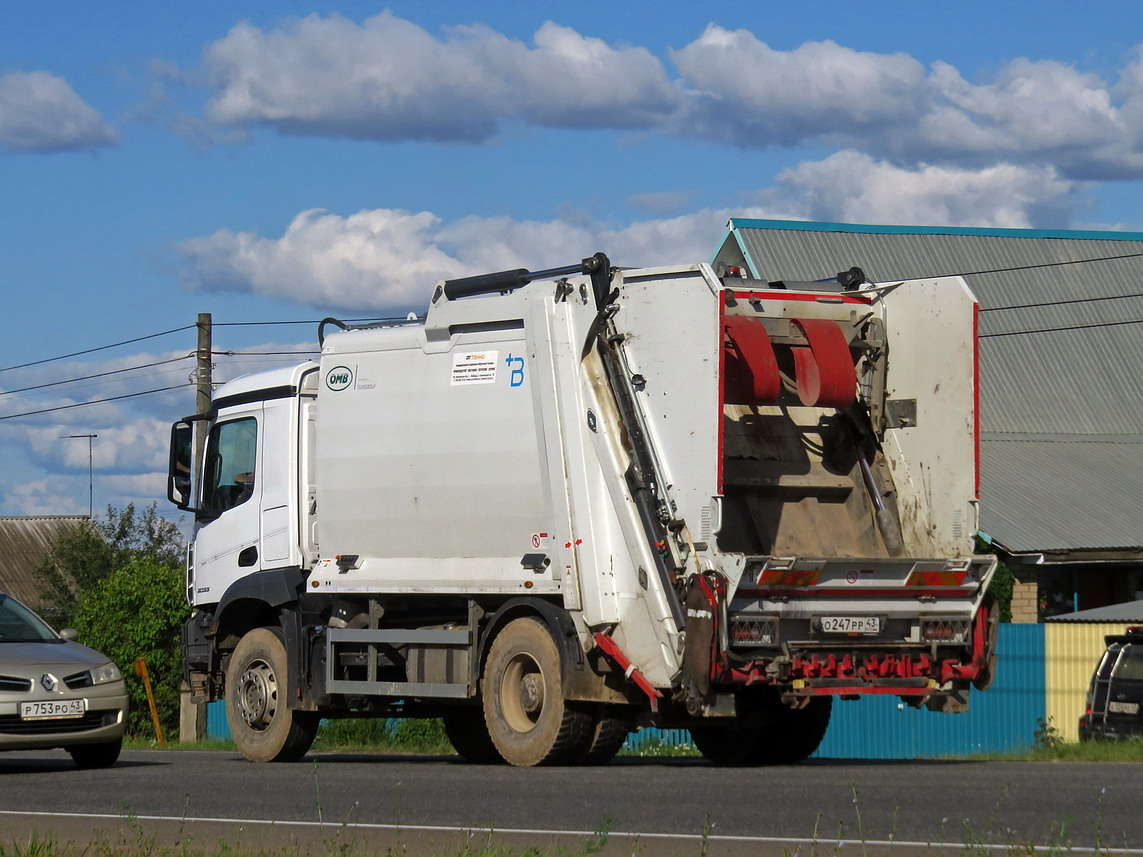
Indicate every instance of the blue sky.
{"type": "Point", "coordinates": [157, 161]}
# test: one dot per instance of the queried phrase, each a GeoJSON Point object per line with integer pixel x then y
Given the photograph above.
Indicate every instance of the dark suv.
{"type": "Point", "coordinates": [1116, 692]}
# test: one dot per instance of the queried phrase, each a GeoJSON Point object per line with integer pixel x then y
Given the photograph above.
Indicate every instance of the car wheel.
{"type": "Point", "coordinates": [96, 755]}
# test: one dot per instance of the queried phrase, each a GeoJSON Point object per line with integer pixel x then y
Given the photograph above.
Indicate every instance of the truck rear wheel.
{"type": "Point", "coordinates": [795, 733]}
{"type": "Point", "coordinates": [778, 735]}
{"type": "Point", "coordinates": [607, 737]}
{"type": "Point", "coordinates": [261, 724]}
{"type": "Point", "coordinates": [528, 719]}
{"type": "Point", "coordinates": [468, 734]}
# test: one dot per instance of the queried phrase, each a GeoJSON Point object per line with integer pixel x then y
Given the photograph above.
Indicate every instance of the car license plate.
{"type": "Point", "coordinates": [851, 624]}
{"type": "Point", "coordinates": [1123, 707]}
{"type": "Point", "coordinates": [55, 709]}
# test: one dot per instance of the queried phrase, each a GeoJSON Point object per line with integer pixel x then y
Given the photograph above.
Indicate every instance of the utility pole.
{"type": "Point", "coordinates": [90, 476]}
{"type": "Point", "coordinates": [203, 386]}
{"type": "Point", "coordinates": [192, 718]}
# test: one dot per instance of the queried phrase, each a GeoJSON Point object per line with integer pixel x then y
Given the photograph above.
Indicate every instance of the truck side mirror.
{"type": "Point", "coordinates": [180, 469]}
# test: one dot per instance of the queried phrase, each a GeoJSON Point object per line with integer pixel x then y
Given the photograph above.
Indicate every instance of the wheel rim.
{"type": "Point", "coordinates": [258, 695]}
{"type": "Point", "coordinates": [522, 692]}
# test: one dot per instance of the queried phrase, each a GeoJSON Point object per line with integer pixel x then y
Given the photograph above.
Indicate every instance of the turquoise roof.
{"type": "Point", "coordinates": [875, 229]}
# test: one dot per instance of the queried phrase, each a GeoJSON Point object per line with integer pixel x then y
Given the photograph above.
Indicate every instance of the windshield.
{"type": "Point", "coordinates": [18, 624]}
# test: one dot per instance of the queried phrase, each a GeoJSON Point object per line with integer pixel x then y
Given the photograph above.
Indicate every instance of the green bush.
{"type": "Point", "coordinates": [391, 735]}
{"type": "Point", "coordinates": [84, 556]}
{"type": "Point", "coordinates": [138, 612]}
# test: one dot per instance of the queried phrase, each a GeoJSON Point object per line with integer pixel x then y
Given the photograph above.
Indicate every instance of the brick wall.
{"type": "Point", "coordinates": [1025, 596]}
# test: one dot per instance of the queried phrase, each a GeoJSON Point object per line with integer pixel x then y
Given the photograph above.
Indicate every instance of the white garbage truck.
{"type": "Point", "coordinates": [571, 503]}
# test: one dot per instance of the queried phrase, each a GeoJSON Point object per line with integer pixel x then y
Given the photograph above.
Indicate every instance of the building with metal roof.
{"type": "Point", "coordinates": [24, 543]}
{"type": "Point", "coordinates": [1061, 390]}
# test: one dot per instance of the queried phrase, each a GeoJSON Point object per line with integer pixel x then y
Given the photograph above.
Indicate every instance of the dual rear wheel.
{"type": "Point", "coordinates": [527, 719]}
{"type": "Point", "coordinates": [766, 732]}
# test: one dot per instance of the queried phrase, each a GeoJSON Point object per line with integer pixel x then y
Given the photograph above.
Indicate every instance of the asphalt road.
{"type": "Point", "coordinates": [895, 806]}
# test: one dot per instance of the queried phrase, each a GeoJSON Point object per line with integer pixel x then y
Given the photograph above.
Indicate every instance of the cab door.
{"type": "Point", "coordinates": [229, 527]}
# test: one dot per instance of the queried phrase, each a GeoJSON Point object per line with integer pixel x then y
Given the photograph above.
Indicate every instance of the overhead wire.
{"type": "Point", "coordinates": [94, 402]}
{"type": "Point", "coordinates": [1062, 303]}
{"type": "Point", "coordinates": [1061, 329]}
{"type": "Point", "coordinates": [305, 321]}
{"type": "Point", "coordinates": [100, 348]}
{"type": "Point", "coordinates": [96, 375]}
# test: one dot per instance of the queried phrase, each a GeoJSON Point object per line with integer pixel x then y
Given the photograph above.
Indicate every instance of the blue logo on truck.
{"type": "Point", "coordinates": [516, 369]}
{"type": "Point", "coordinates": [338, 378]}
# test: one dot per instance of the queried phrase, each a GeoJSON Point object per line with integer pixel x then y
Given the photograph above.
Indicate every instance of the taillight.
{"type": "Point", "coordinates": [937, 630]}
{"type": "Point", "coordinates": [753, 632]}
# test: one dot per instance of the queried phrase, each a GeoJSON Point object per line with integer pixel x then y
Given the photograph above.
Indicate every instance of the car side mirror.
{"type": "Point", "coordinates": [69, 634]}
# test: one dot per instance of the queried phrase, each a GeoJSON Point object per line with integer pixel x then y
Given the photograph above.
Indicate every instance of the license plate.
{"type": "Point", "coordinates": [56, 709]}
{"type": "Point", "coordinates": [851, 624]}
{"type": "Point", "coordinates": [1123, 707]}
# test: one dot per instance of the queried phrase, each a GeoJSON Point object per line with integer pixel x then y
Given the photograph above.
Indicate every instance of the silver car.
{"type": "Point", "coordinates": [55, 692]}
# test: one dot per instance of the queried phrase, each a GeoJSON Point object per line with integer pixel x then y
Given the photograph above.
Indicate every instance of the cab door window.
{"type": "Point", "coordinates": [231, 456]}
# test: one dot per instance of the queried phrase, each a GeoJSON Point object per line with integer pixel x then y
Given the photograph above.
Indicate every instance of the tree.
{"type": "Point", "coordinates": [138, 611]}
{"type": "Point", "coordinates": [1002, 581]}
{"type": "Point", "coordinates": [84, 556]}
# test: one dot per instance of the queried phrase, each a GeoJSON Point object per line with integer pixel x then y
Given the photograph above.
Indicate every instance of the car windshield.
{"type": "Point", "coordinates": [18, 624]}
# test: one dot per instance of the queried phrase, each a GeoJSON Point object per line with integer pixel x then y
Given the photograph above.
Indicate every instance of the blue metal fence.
{"type": "Point", "coordinates": [882, 727]}
{"type": "Point", "coordinates": [1001, 719]}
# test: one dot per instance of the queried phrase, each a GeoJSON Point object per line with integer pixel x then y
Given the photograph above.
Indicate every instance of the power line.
{"type": "Point", "coordinates": [1061, 303]}
{"type": "Point", "coordinates": [97, 375]}
{"type": "Point", "coordinates": [262, 353]}
{"type": "Point", "coordinates": [1061, 329]}
{"type": "Point", "coordinates": [93, 402]}
{"type": "Point", "coordinates": [100, 348]}
{"type": "Point", "coordinates": [306, 321]}
{"type": "Point", "coordinates": [1046, 265]}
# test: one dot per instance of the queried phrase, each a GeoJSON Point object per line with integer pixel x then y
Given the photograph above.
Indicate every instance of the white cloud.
{"type": "Point", "coordinates": [370, 259]}
{"type": "Point", "coordinates": [388, 79]}
{"type": "Point", "coordinates": [387, 259]}
{"type": "Point", "coordinates": [855, 188]}
{"type": "Point", "coordinates": [1043, 112]}
{"type": "Point", "coordinates": [51, 495]}
{"type": "Point", "coordinates": [40, 112]}
{"type": "Point", "coordinates": [755, 96]}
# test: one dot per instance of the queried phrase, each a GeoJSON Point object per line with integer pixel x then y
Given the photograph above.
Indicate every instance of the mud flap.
{"type": "Point", "coordinates": [987, 673]}
{"type": "Point", "coordinates": [705, 606]}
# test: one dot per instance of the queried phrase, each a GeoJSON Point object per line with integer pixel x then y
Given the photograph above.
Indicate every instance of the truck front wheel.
{"type": "Point", "coordinates": [261, 724]}
{"type": "Point", "coordinates": [528, 719]}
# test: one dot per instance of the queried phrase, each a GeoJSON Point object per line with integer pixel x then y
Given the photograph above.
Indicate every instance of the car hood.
{"type": "Point", "coordinates": [46, 655]}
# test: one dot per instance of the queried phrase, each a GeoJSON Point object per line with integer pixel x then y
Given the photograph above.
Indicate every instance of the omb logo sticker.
{"type": "Point", "coordinates": [339, 378]}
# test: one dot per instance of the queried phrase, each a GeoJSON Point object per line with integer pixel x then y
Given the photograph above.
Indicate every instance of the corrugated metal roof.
{"type": "Point", "coordinates": [23, 545]}
{"type": "Point", "coordinates": [1048, 495]}
{"type": "Point", "coordinates": [1127, 613]}
{"type": "Point", "coordinates": [1061, 361]}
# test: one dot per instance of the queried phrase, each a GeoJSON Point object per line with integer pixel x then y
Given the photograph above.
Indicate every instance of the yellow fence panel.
{"type": "Point", "coordinates": [1071, 652]}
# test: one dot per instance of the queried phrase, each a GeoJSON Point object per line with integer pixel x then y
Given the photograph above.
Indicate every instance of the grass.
{"type": "Point", "coordinates": [1084, 751]}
